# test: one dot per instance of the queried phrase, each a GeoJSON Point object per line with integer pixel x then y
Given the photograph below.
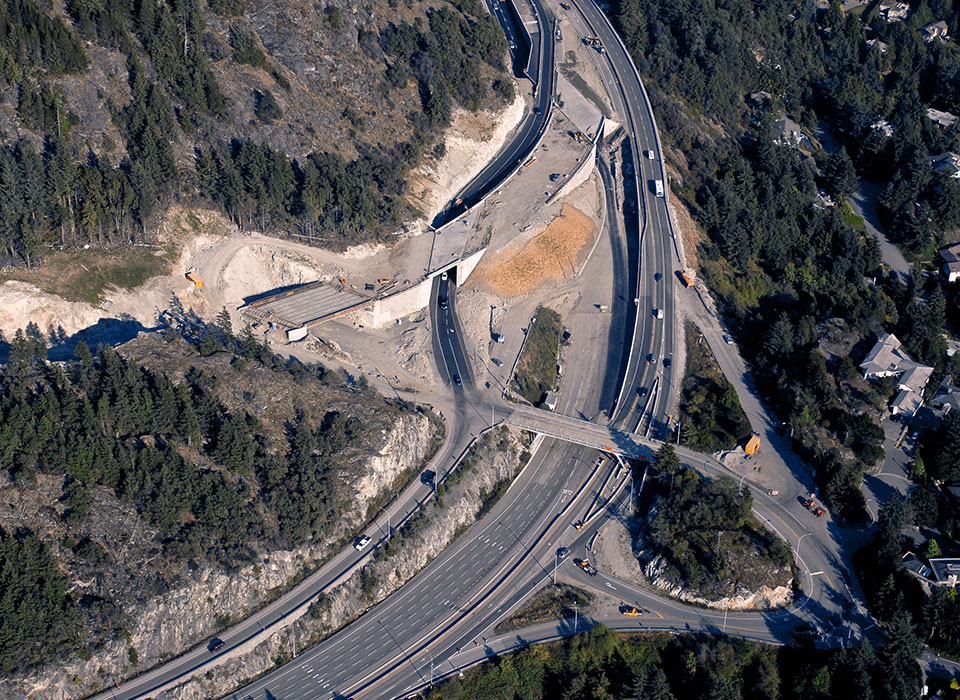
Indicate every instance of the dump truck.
{"type": "Point", "coordinates": [686, 279]}
{"type": "Point", "coordinates": [192, 276]}
{"type": "Point", "coordinates": [589, 568]}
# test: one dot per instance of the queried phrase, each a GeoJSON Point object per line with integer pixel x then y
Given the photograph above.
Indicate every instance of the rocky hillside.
{"type": "Point", "coordinates": [304, 117]}
{"type": "Point", "coordinates": [138, 488]}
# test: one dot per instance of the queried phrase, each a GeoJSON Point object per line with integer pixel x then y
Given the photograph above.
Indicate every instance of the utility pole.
{"type": "Point", "coordinates": [556, 563]}
{"type": "Point", "coordinates": [576, 617]}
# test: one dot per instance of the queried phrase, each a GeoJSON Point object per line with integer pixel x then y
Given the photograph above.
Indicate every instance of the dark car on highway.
{"type": "Point", "coordinates": [215, 645]}
{"type": "Point", "coordinates": [428, 476]}
{"type": "Point", "coordinates": [457, 380]}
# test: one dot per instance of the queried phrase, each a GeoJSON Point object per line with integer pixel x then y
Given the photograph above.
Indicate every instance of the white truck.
{"type": "Point", "coordinates": [658, 186]}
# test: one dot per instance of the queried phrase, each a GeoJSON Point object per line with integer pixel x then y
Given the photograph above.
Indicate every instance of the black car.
{"type": "Point", "coordinates": [215, 645]}
{"type": "Point", "coordinates": [666, 361]}
{"type": "Point", "coordinates": [642, 391]}
{"type": "Point", "coordinates": [428, 476]}
{"type": "Point", "coordinates": [658, 276]}
{"type": "Point", "coordinates": [652, 358]}
{"type": "Point", "coordinates": [442, 302]}
{"type": "Point", "coordinates": [457, 380]}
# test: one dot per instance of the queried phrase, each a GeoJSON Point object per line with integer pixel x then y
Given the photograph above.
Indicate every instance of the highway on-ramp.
{"type": "Point", "coordinates": [525, 138]}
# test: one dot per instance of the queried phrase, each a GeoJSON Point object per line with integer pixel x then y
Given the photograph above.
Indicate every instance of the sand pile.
{"type": "Point", "coordinates": [549, 255]}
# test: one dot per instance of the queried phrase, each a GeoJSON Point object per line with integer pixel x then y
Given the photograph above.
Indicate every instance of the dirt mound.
{"type": "Point", "coordinates": [550, 255]}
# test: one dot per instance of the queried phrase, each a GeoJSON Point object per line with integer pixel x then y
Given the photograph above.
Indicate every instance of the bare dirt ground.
{"type": "Point", "coordinates": [690, 233]}
{"type": "Point", "coordinates": [550, 255]}
{"type": "Point", "coordinates": [472, 141]}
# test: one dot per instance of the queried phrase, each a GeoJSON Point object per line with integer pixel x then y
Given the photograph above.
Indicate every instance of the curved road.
{"type": "Point", "coordinates": [497, 171]}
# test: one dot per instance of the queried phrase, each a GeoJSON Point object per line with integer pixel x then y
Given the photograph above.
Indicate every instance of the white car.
{"type": "Point", "coordinates": [658, 313]}
{"type": "Point", "coordinates": [361, 542]}
{"type": "Point", "coordinates": [728, 340]}
{"type": "Point", "coordinates": [650, 155]}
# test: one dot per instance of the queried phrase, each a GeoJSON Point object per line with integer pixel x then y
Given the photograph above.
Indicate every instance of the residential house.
{"type": "Point", "coordinates": [888, 359]}
{"type": "Point", "coordinates": [913, 564]}
{"type": "Point", "coordinates": [910, 397]}
{"type": "Point", "coordinates": [761, 98]}
{"type": "Point", "coordinates": [879, 45]}
{"type": "Point", "coordinates": [943, 119]}
{"type": "Point", "coordinates": [946, 571]}
{"type": "Point", "coordinates": [948, 162]}
{"type": "Point", "coordinates": [950, 255]}
{"type": "Point", "coordinates": [848, 5]}
{"type": "Point", "coordinates": [893, 11]}
{"type": "Point", "coordinates": [786, 132]}
{"type": "Point", "coordinates": [824, 200]}
{"type": "Point", "coordinates": [884, 127]}
{"type": "Point", "coordinates": [934, 31]}
{"type": "Point", "coordinates": [947, 397]}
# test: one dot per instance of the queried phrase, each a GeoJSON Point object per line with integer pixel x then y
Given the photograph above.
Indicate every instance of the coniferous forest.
{"type": "Point", "coordinates": [59, 192]}
{"type": "Point", "coordinates": [208, 479]}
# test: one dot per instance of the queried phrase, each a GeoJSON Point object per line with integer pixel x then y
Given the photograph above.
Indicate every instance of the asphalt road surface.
{"type": "Point", "coordinates": [392, 634]}
{"type": "Point", "coordinates": [529, 131]}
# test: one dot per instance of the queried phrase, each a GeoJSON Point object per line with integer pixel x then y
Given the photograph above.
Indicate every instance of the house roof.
{"type": "Point", "coordinates": [786, 126]}
{"type": "Point", "coordinates": [947, 396]}
{"type": "Point", "coordinates": [949, 162]}
{"type": "Point", "coordinates": [913, 564]}
{"type": "Point", "coordinates": [950, 253]}
{"type": "Point", "coordinates": [915, 378]}
{"type": "Point", "coordinates": [906, 401]}
{"type": "Point", "coordinates": [946, 570]}
{"type": "Point", "coordinates": [939, 27]}
{"type": "Point", "coordinates": [884, 356]}
{"type": "Point", "coordinates": [944, 119]}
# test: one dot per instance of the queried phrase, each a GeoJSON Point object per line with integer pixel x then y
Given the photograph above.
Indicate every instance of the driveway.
{"type": "Point", "coordinates": [864, 205]}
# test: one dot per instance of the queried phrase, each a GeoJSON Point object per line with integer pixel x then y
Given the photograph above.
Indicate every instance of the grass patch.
{"type": "Point", "coordinates": [711, 417]}
{"type": "Point", "coordinates": [853, 221]}
{"type": "Point", "coordinates": [537, 367]}
{"type": "Point", "coordinates": [84, 275]}
{"type": "Point", "coordinates": [554, 602]}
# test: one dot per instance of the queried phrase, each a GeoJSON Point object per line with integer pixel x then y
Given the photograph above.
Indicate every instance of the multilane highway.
{"type": "Point", "coordinates": [504, 557]}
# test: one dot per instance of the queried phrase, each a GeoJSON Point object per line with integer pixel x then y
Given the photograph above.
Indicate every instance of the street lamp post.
{"type": "Point", "coordinates": [740, 486]}
{"type": "Point", "coordinates": [556, 563]}
{"type": "Point", "coordinates": [431, 666]}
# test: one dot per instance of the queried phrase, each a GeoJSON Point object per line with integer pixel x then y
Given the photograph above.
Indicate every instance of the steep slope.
{"type": "Point", "coordinates": [291, 115]}
{"type": "Point", "coordinates": [148, 497]}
